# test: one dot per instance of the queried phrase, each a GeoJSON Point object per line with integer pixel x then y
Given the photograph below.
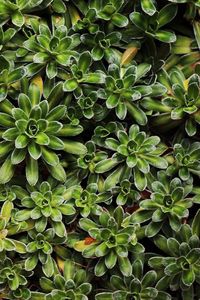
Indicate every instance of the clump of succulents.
{"type": "Point", "coordinates": [99, 150]}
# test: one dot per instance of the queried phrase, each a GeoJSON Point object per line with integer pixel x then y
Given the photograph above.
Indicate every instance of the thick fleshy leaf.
{"type": "Point", "coordinates": [140, 179]}
{"type": "Point", "coordinates": [148, 7]}
{"type": "Point", "coordinates": [119, 20]}
{"type": "Point", "coordinates": [70, 85]}
{"type": "Point", "coordinates": [6, 171]}
{"type": "Point", "coordinates": [51, 69]}
{"type": "Point", "coordinates": [188, 277]}
{"type": "Point", "coordinates": [49, 156]}
{"type": "Point", "coordinates": [166, 14]}
{"type": "Point", "coordinates": [139, 20]}
{"type": "Point", "coordinates": [32, 171]}
{"type": "Point", "coordinates": [125, 266]}
{"type": "Point", "coordinates": [165, 36]}
{"type": "Point", "coordinates": [17, 18]}
{"type": "Point", "coordinates": [138, 115]}
{"type": "Point", "coordinates": [74, 147]}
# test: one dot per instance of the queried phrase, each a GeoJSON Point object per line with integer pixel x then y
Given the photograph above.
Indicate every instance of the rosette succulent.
{"type": "Point", "coordinates": [99, 149]}
{"type": "Point", "coordinates": [72, 284]}
{"type": "Point", "coordinates": [137, 150]}
{"type": "Point", "coordinates": [39, 249]}
{"type": "Point", "coordinates": [33, 131]}
{"type": "Point", "coordinates": [51, 50]}
{"type": "Point", "coordinates": [18, 9]}
{"type": "Point", "coordinates": [13, 278]}
{"type": "Point", "coordinates": [182, 99]}
{"type": "Point", "coordinates": [46, 205]}
{"type": "Point", "coordinates": [186, 160]}
{"type": "Point", "coordinates": [181, 265]}
{"type": "Point", "coordinates": [150, 25]}
{"type": "Point", "coordinates": [113, 241]}
{"type": "Point", "coordinates": [88, 200]}
{"type": "Point", "coordinates": [80, 75]}
{"type": "Point", "coordinates": [101, 43]}
{"type": "Point", "coordinates": [123, 90]}
{"type": "Point", "coordinates": [109, 10]}
{"type": "Point", "coordinates": [169, 202]}
{"type": "Point", "coordinates": [137, 286]}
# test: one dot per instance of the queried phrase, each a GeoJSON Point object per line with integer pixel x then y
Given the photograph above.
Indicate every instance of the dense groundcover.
{"type": "Point", "coordinates": [99, 149]}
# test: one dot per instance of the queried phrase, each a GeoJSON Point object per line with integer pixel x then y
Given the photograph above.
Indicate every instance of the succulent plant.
{"type": "Point", "coordinates": [169, 201]}
{"type": "Point", "coordinates": [121, 91]}
{"type": "Point", "coordinates": [72, 284]}
{"type": "Point", "coordinates": [181, 265]}
{"type": "Point", "coordinates": [112, 242]}
{"type": "Point", "coordinates": [99, 149]}
{"type": "Point", "coordinates": [87, 200]}
{"type": "Point", "coordinates": [151, 25]}
{"type": "Point", "coordinates": [137, 151]}
{"type": "Point", "coordinates": [31, 131]}
{"type": "Point", "coordinates": [181, 100]}
{"type": "Point", "coordinates": [51, 50]}
{"type": "Point", "coordinates": [80, 75]}
{"type": "Point", "coordinates": [137, 286]}
{"type": "Point", "coordinates": [39, 250]}
{"type": "Point", "coordinates": [186, 160]}
{"type": "Point", "coordinates": [16, 10]}
{"type": "Point", "coordinates": [46, 205]}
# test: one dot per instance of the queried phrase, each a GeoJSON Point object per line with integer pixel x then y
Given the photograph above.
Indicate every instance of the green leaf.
{"type": "Point", "coordinates": [15, 75]}
{"type": "Point", "coordinates": [17, 156]}
{"type": "Point", "coordinates": [97, 78]}
{"type": "Point", "coordinates": [48, 267]}
{"type": "Point", "coordinates": [58, 6]}
{"type": "Point", "coordinates": [139, 216]}
{"type": "Point", "coordinates": [34, 94]}
{"type": "Point", "coordinates": [51, 69]}
{"type": "Point", "coordinates": [138, 115]}
{"type": "Point", "coordinates": [84, 61]}
{"type": "Point", "coordinates": [57, 172]}
{"type": "Point", "coordinates": [70, 85]}
{"type": "Point", "coordinates": [59, 228]}
{"type": "Point", "coordinates": [100, 268]}
{"type": "Point", "coordinates": [49, 156]}
{"type": "Point", "coordinates": [106, 165]}
{"type": "Point", "coordinates": [165, 36]}
{"type": "Point", "coordinates": [196, 224]}
{"type": "Point", "coordinates": [21, 141]}
{"type": "Point", "coordinates": [34, 150]}
{"type": "Point", "coordinates": [74, 147]}
{"type": "Point", "coordinates": [5, 148]}
{"type": "Point", "coordinates": [6, 171]}
{"type": "Point", "coordinates": [139, 20]}
{"type": "Point", "coordinates": [140, 179]}
{"type": "Point", "coordinates": [148, 7]}
{"type": "Point", "coordinates": [42, 138]}
{"type": "Point", "coordinates": [125, 266]}
{"type": "Point", "coordinates": [119, 20]}
{"type": "Point", "coordinates": [166, 14]}
{"type": "Point", "coordinates": [156, 161]}
{"type": "Point", "coordinates": [188, 277]}
{"type": "Point", "coordinates": [17, 18]}
{"type": "Point", "coordinates": [32, 171]}
{"type": "Point", "coordinates": [97, 53]}
{"type": "Point", "coordinates": [153, 228]}
{"type": "Point", "coordinates": [40, 58]}
{"type": "Point", "coordinates": [104, 296]}
{"type": "Point", "coordinates": [196, 28]}
{"type": "Point", "coordinates": [31, 262]}
{"type": "Point", "coordinates": [110, 260]}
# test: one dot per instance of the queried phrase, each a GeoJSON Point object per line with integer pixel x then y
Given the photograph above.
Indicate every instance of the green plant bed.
{"type": "Point", "coordinates": [100, 149]}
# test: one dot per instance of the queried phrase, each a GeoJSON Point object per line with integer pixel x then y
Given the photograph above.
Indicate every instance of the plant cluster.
{"type": "Point", "coordinates": [99, 149]}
